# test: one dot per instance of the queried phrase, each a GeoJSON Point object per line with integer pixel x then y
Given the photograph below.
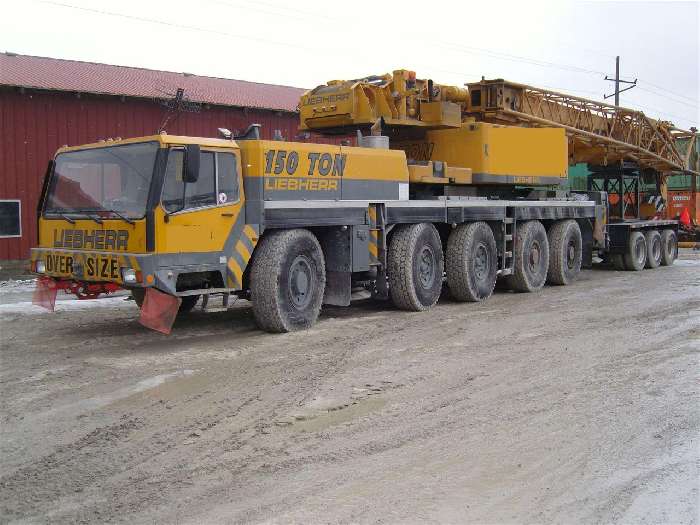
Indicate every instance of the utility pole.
{"type": "Point", "coordinates": [618, 81]}
{"type": "Point", "coordinates": [176, 105]}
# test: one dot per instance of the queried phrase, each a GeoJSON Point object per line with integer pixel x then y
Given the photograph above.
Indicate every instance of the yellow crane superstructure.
{"type": "Point", "coordinates": [597, 133]}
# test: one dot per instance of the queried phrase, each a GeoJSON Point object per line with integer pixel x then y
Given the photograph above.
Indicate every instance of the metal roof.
{"type": "Point", "coordinates": [88, 77]}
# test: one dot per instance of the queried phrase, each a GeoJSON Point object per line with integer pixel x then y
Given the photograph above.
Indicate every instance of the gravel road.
{"type": "Point", "coordinates": [575, 404]}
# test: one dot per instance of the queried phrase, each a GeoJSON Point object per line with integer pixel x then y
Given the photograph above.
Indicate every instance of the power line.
{"type": "Point", "coordinates": [295, 10]}
{"type": "Point", "coordinates": [518, 58]}
{"type": "Point", "coordinates": [660, 112]}
{"type": "Point", "coordinates": [545, 63]}
{"type": "Point", "coordinates": [176, 25]}
{"type": "Point", "coordinates": [287, 12]}
{"type": "Point", "coordinates": [542, 63]}
{"type": "Point", "coordinates": [566, 89]}
{"type": "Point", "coordinates": [668, 97]}
{"type": "Point", "coordinates": [668, 90]}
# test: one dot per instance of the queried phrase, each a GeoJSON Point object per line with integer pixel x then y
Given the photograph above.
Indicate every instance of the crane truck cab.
{"type": "Point", "coordinates": [151, 212]}
{"type": "Point", "coordinates": [171, 218]}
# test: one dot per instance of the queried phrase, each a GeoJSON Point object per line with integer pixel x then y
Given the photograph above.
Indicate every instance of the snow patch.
{"type": "Point", "coordinates": [26, 307]}
{"type": "Point", "coordinates": [687, 262]}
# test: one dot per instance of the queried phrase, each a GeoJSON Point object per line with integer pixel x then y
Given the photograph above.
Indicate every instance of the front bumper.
{"type": "Point", "coordinates": [90, 267]}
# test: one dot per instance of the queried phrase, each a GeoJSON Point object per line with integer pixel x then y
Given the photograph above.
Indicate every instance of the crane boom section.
{"type": "Point", "coordinates": [599, 133]}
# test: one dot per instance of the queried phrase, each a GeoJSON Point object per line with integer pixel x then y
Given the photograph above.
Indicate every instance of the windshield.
{"type": "Point", "coordinates": [111, 179]}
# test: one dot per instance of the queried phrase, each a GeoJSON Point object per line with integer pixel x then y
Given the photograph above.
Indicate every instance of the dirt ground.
{"type": "Point", "coordinates": [575, 404]}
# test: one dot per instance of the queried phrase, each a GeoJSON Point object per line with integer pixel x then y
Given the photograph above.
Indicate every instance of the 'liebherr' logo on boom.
{"type": "Point", "coordinates": [329, 99]}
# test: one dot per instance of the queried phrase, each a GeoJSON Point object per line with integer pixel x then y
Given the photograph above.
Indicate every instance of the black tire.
{"type": "Point", "coordinates": [618, 261]}
{"type": "Point", "coordinates": [669, 247]}
{"type": "Point", "coordinates": [636, 255]}
{"type": "Point", "coordinates": [653, 240]}
{"type": "Point", "coordinates": [188, 302]}
{"type": "Point", "coordinates": [565, 252]}
{"type": "Point", "coordinates": [415, 266]}
{"type": "Point", "coordinates": [287, 281]}
{"type": "Point", "coordinates": [138, 294]}
{"type": "Point", "coordinates": [471, 262]}
{"type": "Point", "coordinates": [530, 257]}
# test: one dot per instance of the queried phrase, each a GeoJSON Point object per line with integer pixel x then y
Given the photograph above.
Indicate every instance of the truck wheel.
{"type": "Point", "coordinates": [471, 262]}
{"type": "Point", "coordinates": [565, 252]}
{"type": "Point", "coordinates": [531, 257]}
{"type": "Point", "coordinates": [636, 256]}
{"type": "Point", "coordinates": [669, 247]}
{"type": "Point", "coordinates": [415, 266]}
{"type": "Point", "coordinates": [138, 294]}
{"type": "Point", "coordinates": [618, 261]}
{"type": "Point", "coordinates": [287, 280]}
{"type": "Point", "coordinates": [653, 240]}
{"type": "Point", "coordinates": [188, 302]}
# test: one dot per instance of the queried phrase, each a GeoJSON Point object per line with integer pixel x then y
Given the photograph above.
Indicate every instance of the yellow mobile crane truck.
{"type": "Point", "coordinates": [431, 196]}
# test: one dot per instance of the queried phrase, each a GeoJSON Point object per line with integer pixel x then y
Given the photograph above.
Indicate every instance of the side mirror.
{"type": "Point", "coordinates": [193, 155]}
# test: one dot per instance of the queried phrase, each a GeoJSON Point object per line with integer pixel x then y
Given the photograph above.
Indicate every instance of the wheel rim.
{"type": "Point", "coordinates": [534, 256]}
{"type": "Point", "coordinates": [656, 249]}
{"type": "Point", "coordinates": [672, 248]}
{"type": "Point", "coordinates": [481, 262]}
{"type": "Point", "coordinates": [301, 280]}
{"type": "Point", "coordinates": [570, 254]}
{"type": "Point", "coordinates": [639, 251]}
{"type": "Point", "coordinates": [426, 267]}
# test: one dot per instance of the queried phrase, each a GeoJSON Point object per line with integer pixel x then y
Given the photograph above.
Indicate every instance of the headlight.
{"type": "Point", "coordinates": [129, 275]}
{"type": "Point", "coordinates": [40, 267]}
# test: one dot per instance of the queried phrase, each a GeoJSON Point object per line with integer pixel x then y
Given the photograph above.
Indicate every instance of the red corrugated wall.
{"type": "Point", "coordinates": [34, 124]}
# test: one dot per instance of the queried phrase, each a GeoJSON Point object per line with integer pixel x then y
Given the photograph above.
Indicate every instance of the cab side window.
{"type": "Point", "coordinates": [217, 182]}
{"type": "Point", "coordinates": [173, 185]}
{"type": "Point", "coordinates": [203, 192]}
{"type": "Point", "coordinates": [227, 175]}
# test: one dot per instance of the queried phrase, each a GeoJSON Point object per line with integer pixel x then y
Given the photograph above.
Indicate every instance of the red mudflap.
{"type": "Point", "coordinates": [45, 294]}
{"type": "Point", "coordinates": [159, 310]}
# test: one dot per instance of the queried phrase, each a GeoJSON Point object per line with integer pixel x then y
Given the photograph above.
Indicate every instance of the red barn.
{"type": "Point", "coordinates": [46, 103]}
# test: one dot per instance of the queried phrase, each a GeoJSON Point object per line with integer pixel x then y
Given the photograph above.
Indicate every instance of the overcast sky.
{"type": "Point", "coordinates": [564, 45]}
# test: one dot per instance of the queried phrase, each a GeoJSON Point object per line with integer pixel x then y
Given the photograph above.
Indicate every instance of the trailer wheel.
{"type": "Point", "coordinates": [287, 280]}
{"type": "Point", "coordinates": [415, 266]}
{"type": "Point", "coordinates": [471, 262]}
{"type": "Point", "coordinates": [531, 257]}
{"type": "Point", "coordinates": [636, 255]}
{"type": "Point", "coordinates": [653, 240]}
{"type": "Point", "coordinates": [669, 247]}
{"type": "Point", "coordinates": [565, 252]}
{"type": "Point", "coordinates": [188, 302]}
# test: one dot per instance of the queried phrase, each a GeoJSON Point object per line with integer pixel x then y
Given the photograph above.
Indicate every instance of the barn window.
{"type": "Point", "coordinates": [10, 218]}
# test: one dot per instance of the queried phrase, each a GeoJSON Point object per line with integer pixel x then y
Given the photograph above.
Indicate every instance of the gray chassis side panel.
{"type": "Point", "coordinates": [295, 214]}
